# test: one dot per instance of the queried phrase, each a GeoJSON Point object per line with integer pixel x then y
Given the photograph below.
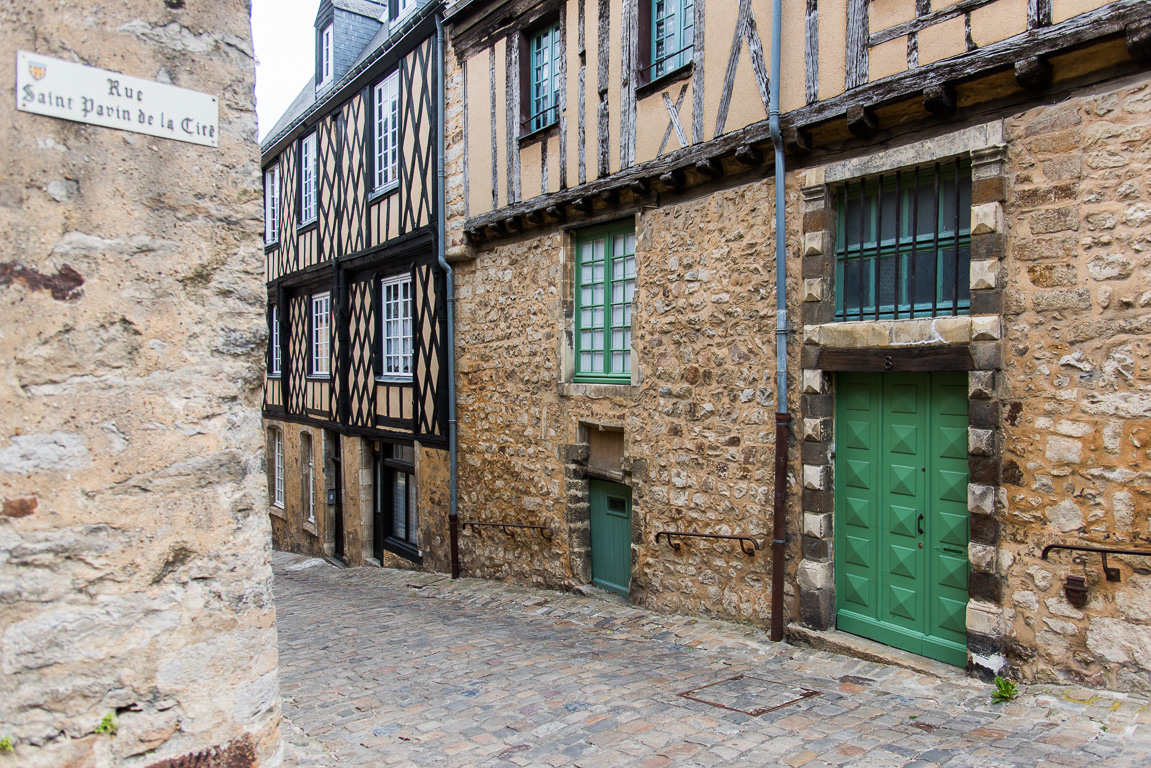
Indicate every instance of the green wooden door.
{"type": "Point", "coordinates": [901, 528]}
{"type": "Point", "coordinates": [610, 536]}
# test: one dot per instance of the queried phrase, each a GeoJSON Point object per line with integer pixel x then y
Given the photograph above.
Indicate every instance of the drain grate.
{"type": "Point", "coordinates": [752, 696]}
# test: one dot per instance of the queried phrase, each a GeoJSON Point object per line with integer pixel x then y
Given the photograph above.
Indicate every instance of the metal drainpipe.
{"type": "Point", "coordinates": [441, 225]}
{"type": "Point", "coordinates": [782, 419]}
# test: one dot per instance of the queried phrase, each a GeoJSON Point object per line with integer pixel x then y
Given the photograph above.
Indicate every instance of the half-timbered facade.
{"type": "Point", "coordinates": [355, 395]}
{"type": "Point", "coordinates": [966, 222]}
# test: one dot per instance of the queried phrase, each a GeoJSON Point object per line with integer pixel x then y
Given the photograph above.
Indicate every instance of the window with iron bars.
{"type": "Point", "coordinates": [903, 244]}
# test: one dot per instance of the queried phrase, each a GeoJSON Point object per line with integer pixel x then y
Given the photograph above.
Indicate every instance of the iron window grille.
{"type": "Point", "coordinates": [274, 342]}
{"type": "Point", "coordinates": [672, 37]}
{"type": "Point", "coordinates": [272, 205]}
{"type": "Point", "coordinates": [278, 468]}
{"type": "Point", "coordinates": [308, 179]}
{"type": "Point", "coordinates": [605, 289]}
{"type": "Point", "coordinates": [326, 55]}
{"type": "Point", "coordinates": [544, 64]}
{"type": "Point", "coordinates": [903, 244]}
{"type": "Point", "coordinates": [396, 336]}
{"type": "Point", "coordinates": [387, 131]}
{"type": "Point", "coordinates": [321, 334]}
{"type": "Point", "coordinates": [397, 509]}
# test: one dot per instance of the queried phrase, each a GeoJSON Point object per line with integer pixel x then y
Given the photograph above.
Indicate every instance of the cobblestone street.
{"type": "Point", "coordinates": [384, 667]}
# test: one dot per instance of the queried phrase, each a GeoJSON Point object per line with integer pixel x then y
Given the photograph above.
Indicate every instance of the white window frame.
{"type": "Point", "coordinates": [396, 342]}
{"type": "Point", "coordinates": [272, 205]}
{"type": "Point", "coordinates": [387, 136]}
{"type": "Point", "coordinates": [404, 9]}
{"type": "Point", "coordinates": [308, 179]}
{"type": "Point", "coordinates": [277, 468]}
{"type": "Point", "coordinates": [327, 55]}
{"type": "Point", "coordinates": [274, 342]}
{"type": "Point", "coordinates": [321, 335]}
{"type": "Point", "coordinates": [310, 470]}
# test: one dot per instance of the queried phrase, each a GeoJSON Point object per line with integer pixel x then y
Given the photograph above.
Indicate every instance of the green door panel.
{"type": "Point", "coordinates": [901, 524]}
{"type": "Point", "coordinates": [610, 536]}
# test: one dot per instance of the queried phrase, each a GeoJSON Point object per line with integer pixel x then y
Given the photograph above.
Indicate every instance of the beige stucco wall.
{"type": "Point", "coordinates": [133, 534]}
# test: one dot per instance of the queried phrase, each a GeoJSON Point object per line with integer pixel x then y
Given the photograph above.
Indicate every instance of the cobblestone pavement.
{"type": "Point", "coordinates": [383, 667]}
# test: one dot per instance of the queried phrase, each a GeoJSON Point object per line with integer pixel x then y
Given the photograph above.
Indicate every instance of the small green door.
{"type": "Point", "coordinates": [610, 536]}
{"type": "Point", "coordinates": [901, 528]}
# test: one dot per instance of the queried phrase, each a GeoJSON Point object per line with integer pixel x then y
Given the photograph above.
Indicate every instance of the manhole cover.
{"type": "Point", "coordinates": [750, 695]}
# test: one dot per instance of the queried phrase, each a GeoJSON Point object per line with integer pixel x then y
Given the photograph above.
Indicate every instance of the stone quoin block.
{"type": "Point", "coordinates": [813, 243]}
{"type": "Point", "coordinates": [813, 382]}
{"type": "Point", "coordinates": [981, 385]}
{"type": "Point", "coordinates": [813, 289]}
{"type": "Point", "coordinates": [817, 525]}
{"type": "Point", "coordinates": [812, 430]}
{"type": "Point", "coordinates": [817, 608]}
{"type": "Point", "coordinates": [980, 499]}
{"type": "Point", "coordinates": [985, 328]}
{"type": "Point", "coordinates": [814, 477]}
{"type": "Point", "coordinates": [984, 275]}
{"type": "Point", "coordinates": [981, 442]}
{"type": "Point", "coordinates": [987, 219]}
{"type": "Point", "coordinates": [816, 575]}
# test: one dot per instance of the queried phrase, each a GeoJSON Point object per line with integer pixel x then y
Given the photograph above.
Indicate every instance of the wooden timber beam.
{"type": "Point", "coordinates": [861, 121]}
{"type": "Point", "coordinates": [1124, 17]}
{"type": "Point", "coordinates": [940, 99]}
{"type": "Point", "coordinates": [1139, 41]}
{"type": "Point", "coordinates": [749, 155]}
{"type": "Point", "coordinates": [1034, 73]}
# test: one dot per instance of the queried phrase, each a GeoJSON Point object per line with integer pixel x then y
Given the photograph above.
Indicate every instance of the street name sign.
{"type": "Point", "coordinates": [71, 91]}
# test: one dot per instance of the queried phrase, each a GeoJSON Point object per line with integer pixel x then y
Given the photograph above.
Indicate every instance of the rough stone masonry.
{"type": "Point", "coordinates": [134, 576]}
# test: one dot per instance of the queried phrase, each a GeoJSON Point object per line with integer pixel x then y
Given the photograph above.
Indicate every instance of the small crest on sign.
{"type": "Point", "coordinates": [37, 70]}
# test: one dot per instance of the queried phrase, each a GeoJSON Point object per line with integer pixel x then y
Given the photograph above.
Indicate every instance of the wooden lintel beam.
{"type": "Point", "coordinates": [640, 187]}
{"type": "Point", "coordinates": [940, 99]}
{"type": "Point", "coordinates": [582, 204]}
{"type": "Point", "coordinates": [1139, 41]}
{"type": "Point", "coordinates": [1034, 73]}
{"type": "Point", "coordinates": [861, 121]}
{"type": "Point", "coordinates": [711, 167]}
{"type": "Point", "coordinates": [610, 196]}
{"type": "Point", "coordinates": [674, 179]}
{"type": "Point", "coordinates": [796, 140]}
{"type": "Point", "coordinates": [749, 155]}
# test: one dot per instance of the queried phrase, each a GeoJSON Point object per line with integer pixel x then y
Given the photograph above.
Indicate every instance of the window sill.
{"type": "Point", "coordinates": [274, 375]}
{"type": "Point", "coordinates": [381, 192]}
{"type": "Point", "coordinates": [598, 391]}
{"type": "Point", "coordinates": [269, 247]}
{"type": "Point", "coordinates": [324, 377]}
{"type": "Point", "coordinates": [277, 511]}
{"type": "Point", "coordinates": [393, 379]}
{"type": "Point", "coordinates": [403, 549]}
{"type": "Point", "coordinates": [539, 135]}
{"type": "Point", "coordinates": [308, 226]}
{"type": "Point", "coordinates": [310, 527]}
{"type": "Point", "coordinates": [683, 72]}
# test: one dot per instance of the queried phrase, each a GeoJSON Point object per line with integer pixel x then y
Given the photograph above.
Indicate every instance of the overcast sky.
{"type": "Point", "coordinates": [285, 42]}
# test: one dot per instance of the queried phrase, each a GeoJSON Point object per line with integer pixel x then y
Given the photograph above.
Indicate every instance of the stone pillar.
{"type": "Point", "coordinates": [816, 570]}
{"type": "Point", "coordinates": [134, 535]}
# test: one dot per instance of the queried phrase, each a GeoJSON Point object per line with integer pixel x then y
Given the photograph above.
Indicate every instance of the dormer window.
{"type": "Point", "coordinates": [327, 64]}
{"type": "Point", "coordinates": [403, 10]}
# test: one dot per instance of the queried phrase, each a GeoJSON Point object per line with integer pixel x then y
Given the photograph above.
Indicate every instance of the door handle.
{"type": "Point", "coordinates": [919, 525]}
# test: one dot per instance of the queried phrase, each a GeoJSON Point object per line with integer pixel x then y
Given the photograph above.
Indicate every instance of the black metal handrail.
{"type": "Point", "coordinates": [1112, 573]}
{"type": "Point", "coordinates": [743, 540]}
{"type": "Point", "coordinates": [544, 530]}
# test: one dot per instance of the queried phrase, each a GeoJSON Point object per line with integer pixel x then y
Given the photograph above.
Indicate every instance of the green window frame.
{"type": "Point", "coordinates": [544, 51]}
{"type": "Point", "coordinates": [672, 35]}
{"type": "Point", "coordinates": [605, 290]}
{"type": "Point", "coordinates": [903, 244]}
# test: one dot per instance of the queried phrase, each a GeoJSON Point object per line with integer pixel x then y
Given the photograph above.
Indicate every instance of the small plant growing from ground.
{"type": "Point", "coordinates": [6, 744]}
{"type": "Point", "coordinates": [1005, 690]}
{"type": "Point", "coordinates": [108, 725]}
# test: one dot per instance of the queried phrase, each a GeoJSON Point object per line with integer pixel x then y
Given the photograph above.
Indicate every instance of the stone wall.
{"type": "Point", "coordinates": [133, 534]}
{"type": "Point", "coordinates": [1078, 421]}
{"type": "Point", "coordinates": [697, 421]}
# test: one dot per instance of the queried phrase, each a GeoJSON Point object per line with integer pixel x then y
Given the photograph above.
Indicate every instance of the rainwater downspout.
{"type": "Point", "coordinates": [782, 419]}
{"type": "Point", "coordinates": [441, 239]}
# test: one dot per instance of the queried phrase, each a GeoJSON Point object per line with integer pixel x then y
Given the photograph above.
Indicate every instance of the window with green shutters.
{"type": "Point", "coordinates": [605, 289]}
{"type": "Point", "coordinates": [544, 66]}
